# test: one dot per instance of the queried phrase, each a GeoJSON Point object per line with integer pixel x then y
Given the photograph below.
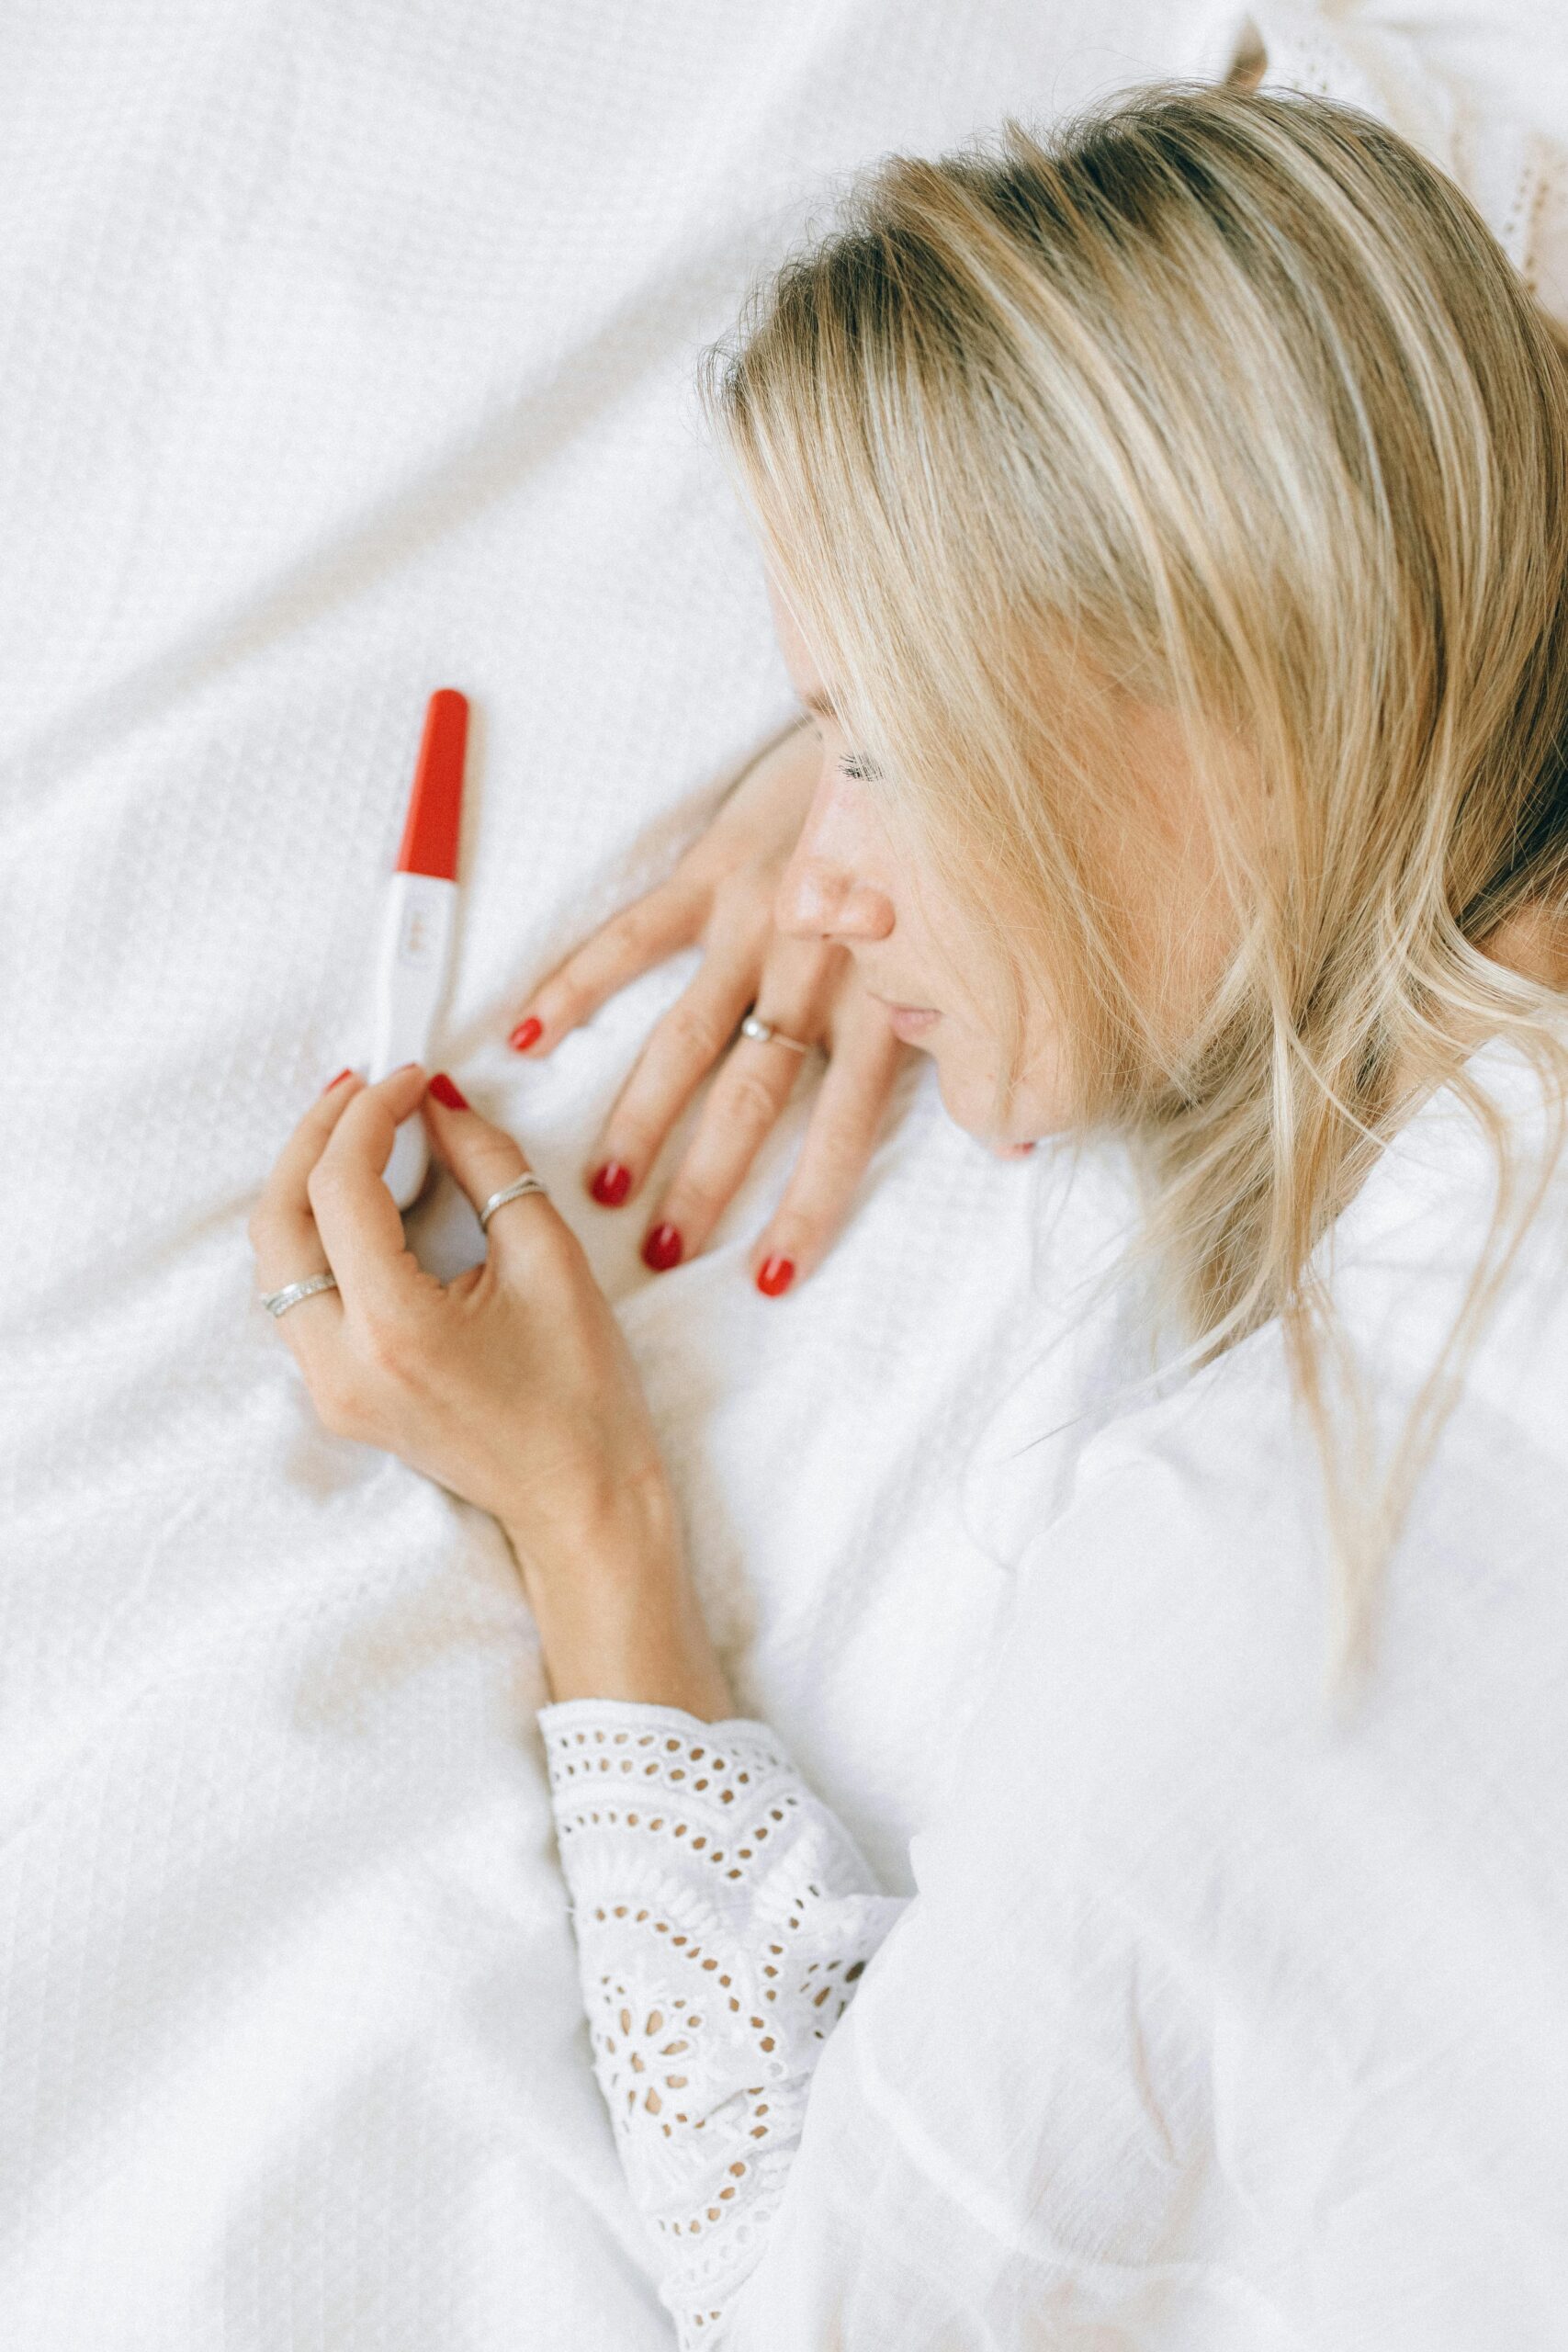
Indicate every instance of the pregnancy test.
{"type": "Point", "coordinates": [419, 925]}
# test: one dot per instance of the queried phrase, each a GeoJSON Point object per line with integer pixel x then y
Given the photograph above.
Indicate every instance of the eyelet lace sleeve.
{"type": "Point", "coordinates": [723, 1918]}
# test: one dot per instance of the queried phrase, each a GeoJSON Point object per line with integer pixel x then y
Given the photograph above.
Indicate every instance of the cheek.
{"type": "Point", "coordinates": [1042, 1103]}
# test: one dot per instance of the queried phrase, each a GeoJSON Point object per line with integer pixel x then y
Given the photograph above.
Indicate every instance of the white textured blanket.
{"type": "Point", "coordinates": [346, 352]}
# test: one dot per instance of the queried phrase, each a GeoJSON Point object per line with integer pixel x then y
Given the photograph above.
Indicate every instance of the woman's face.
{"type": "Point", "coordinates": [847, 881]}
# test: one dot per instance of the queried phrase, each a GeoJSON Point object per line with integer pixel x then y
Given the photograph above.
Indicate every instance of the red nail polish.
{"type": "Point", "coordinates": [662, 1248]}
{"type": "Point", "coordinates": [441, 1086]}
{"type": "Point", "coordinates": [527, 1032]}
{"type": "Point", "coordinates": [337, 1081]}
{"type": "Point", "coordinates": [776, 1275]}
{"type": "Point", "coordinates": [611, 1184]}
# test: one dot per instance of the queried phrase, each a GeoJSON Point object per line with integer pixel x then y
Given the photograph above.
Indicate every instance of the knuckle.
{"type": "Point", "coordinates": [540, 1244]}
{"type": "Point", "coordinates": [319, 1183]}
{"type": "Point", "coordinates": [389, 1348]}
{"type": "Point", "coordinates": [695, 1032]}
{"type": "Point", "coordinates": [495, 1161]}
{"type": "Point", "coordinates": [762, 1092]}
{"type": "Point", "coordinates": [832, 1163]}
{"type": "Point", "coordinates": [555, 1250]}
{"type": "Point", "coordinates": [340, 1404]}
{"type": "Point", "coordinates": [629, 932]}
{"type": "Point", "coordinates": [562, 1003]}
{"type": "Point", "coordinates": [751, 1099]}
{"type": "Point", "coordinates": [697, 1203]}
{"type": "Point", "coordinates": [837, 1162]}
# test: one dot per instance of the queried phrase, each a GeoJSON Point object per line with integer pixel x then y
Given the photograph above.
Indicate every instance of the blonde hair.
{"type": "Point", "coordinates": [1229, 403]}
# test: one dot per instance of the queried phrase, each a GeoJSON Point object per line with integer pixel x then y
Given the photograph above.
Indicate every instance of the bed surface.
{"type": "Point", "coordinates": [346, 352]}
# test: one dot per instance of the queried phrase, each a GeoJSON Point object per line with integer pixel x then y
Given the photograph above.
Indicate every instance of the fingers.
{"type": "Point", "coordinates": [682, 1049]}
{"type": "Point", "coordinates": [846, 1120]}
{"type": "Point", "coordinates": [748, 1096]}
{"type": "Point", "coordinates": [485, 1159]}
{"type": "Point", "coordinates": [356, 1217]}
{"type": "Point", "coordinates": [630, 943]}
{"type": "Point", "coordinates": [283, 1225]}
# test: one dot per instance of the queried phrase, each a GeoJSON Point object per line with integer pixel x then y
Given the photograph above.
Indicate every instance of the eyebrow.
{"type": "Point", "coordinates": [822, 704]}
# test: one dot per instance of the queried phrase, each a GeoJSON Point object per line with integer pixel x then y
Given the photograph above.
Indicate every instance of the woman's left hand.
{"type": "Point", "coordinates": [512, 1386]}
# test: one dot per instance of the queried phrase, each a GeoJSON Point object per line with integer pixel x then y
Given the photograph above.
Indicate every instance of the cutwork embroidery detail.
{"type": "Point", "coordinates": [723, 1918]}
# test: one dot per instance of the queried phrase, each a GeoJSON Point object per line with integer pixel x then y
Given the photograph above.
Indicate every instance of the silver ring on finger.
{"type": "Point", "coordinates": [279, 1302]}
{"type": "Point", "coordinates": [766, 1033]}
{"type": "Point", "coordinates": [508, 1193]}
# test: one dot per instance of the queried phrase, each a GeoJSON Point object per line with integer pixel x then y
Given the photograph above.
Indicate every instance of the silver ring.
{"type": "Point", "coordinates": [510, 1192]}
{"type": "Point", "coordinates": [766, 1034]}
{"type": "Point", "coordinates": [279, 1302]}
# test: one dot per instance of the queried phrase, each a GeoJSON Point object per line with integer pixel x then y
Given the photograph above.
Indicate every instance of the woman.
{"type": "Point", "coordinates": [1167, 530]}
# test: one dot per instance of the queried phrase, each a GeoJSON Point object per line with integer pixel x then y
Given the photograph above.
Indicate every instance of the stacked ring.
{"type": "Point", "coordinates": [508, 1193]}
{"type": "Point", "coordinates": [279, 1302]}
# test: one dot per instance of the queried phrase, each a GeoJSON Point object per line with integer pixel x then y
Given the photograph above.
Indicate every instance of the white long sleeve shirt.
{"type": "Point", "coordinates": [1229, 2014]}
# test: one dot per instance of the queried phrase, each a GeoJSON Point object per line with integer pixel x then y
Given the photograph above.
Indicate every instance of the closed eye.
{"type": "Point", "coordinates": [856, 765]}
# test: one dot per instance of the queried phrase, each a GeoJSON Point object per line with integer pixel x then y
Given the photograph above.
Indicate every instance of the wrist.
{"type": "Point", "coordinates": [617, 1611]}
{"type": "Point", "coordinates": [629, 1536]}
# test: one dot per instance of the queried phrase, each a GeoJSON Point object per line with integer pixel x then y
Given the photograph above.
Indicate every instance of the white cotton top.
{"type": "Point", "coordinates": [1225, 2017]}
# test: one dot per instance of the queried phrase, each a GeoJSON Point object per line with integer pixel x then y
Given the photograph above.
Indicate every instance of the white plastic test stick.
{"type": "Point", "coordinates": [419, 925]}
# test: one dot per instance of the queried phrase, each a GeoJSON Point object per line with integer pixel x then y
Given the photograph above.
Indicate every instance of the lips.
{"type": "Point", "coordinates": [894, 1006]}
{"type": "Point", "coordinates": [908, 1020]}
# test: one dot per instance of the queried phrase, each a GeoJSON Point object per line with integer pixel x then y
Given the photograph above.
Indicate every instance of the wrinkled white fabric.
{"type": "Point", "coordinates": [1228, 2014]}
{"type": "Point", "coordinates": [346, 352]}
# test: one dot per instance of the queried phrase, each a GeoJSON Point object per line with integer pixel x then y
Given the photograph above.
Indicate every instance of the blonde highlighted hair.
{"type": "Point", "coordinates": [1225, 403]}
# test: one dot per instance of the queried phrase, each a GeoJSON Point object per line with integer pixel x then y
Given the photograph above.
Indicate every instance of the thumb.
{"type": "Point", "coordinates": [483, 1158]}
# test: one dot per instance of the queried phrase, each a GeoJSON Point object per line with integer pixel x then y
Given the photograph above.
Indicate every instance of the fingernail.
{"type": "Point", "coordinates": [662, 1248]}
{"type": "Point", "coordinates": [611, 1183]}
{"type": "Point", "coordinates": [441, 1086]}
{"type": "Point", "coordinates": [337, 1081]}
{"type": "Point", "coordinates": [776, 1275]}
{"type": "Point", "coordinates": [527, 1032]}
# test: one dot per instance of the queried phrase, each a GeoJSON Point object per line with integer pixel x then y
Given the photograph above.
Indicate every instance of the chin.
{"type": "Point", "coordinates": [966, 1102]}
{"type": "Point", "coordinates": [1037, 1111]}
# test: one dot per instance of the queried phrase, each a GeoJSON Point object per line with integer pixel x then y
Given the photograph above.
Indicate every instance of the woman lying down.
{"type": "Point", "coordinates": [1167, 530]}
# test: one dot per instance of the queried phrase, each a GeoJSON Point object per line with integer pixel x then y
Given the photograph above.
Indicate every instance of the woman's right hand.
{"type": "Point", "coordinates": [721, 895]}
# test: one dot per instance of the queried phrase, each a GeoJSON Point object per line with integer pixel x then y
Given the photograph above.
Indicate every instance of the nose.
{"type": "Point", "coordinates": [823, 892]}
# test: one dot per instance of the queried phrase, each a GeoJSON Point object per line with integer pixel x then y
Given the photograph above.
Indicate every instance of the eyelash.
{"type": "Point", "coordinates": [855, 765]}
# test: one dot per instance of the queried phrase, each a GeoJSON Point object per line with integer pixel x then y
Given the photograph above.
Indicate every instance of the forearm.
{"type": "Point", "coordinates": [617, 1611]}
{"type": "Point", "coordinates": [723, 1916]}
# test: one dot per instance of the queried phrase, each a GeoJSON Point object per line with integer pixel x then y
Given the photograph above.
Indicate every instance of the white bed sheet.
{"type": "Point", "coordinates": [345, 352]}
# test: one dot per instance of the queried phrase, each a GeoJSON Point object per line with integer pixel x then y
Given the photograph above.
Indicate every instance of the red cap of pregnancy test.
{"type": "Point", "coordinates": [435, 805]}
